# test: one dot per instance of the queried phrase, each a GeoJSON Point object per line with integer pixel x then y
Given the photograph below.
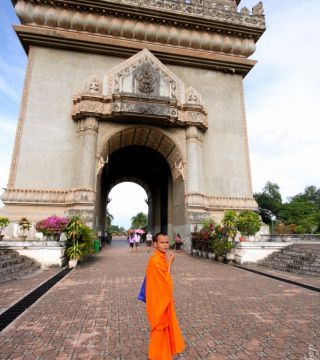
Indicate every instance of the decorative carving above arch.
{"type": "Point", "coordinates": [141, 88]}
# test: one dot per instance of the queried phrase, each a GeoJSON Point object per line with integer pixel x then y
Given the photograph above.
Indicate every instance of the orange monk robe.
{"type": "Point", "coordinates": [165, 339]}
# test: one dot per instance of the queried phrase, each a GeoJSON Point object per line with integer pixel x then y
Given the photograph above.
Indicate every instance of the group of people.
{"type": "Point", "coordinates": [134, 240]}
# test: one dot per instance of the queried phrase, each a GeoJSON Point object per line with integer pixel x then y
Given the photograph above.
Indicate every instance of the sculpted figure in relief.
{"type": "Point", "coordinates": [101, 163]}
{"type": "Point", "coordinates": [93, 86]}
{"type": "Point", "coordinates": [258, 9]}
{"type": "Point", "coordinates": [146, 80]}
{"type": "Point", "coordinates": [179, 167]}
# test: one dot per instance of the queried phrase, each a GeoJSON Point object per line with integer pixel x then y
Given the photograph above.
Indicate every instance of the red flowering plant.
{"type": "Point", "coordinates": [53, 225]}
{"type": "Point", "coordinates": [202, 238]}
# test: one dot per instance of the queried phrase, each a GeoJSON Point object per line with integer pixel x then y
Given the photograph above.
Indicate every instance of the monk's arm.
{"type": "Point", "coordinates": [170, 261]}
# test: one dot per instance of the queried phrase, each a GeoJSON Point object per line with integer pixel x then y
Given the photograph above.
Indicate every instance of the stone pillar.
{"type": "Point", "coordinates": [194, 160]}
{"type": "Point", "coordinates": [88, 128]}
{"type": "Point", "coordinates": [170, 210]}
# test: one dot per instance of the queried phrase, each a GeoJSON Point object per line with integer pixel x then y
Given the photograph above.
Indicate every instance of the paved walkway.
{"type": "Point", "coordinates": [224, 313]}
{"type": "Point", "coordinates": [12, 291]}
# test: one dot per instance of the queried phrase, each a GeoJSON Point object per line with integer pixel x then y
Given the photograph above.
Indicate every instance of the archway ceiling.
{"type": "Point", "coordinates": [151, 138]}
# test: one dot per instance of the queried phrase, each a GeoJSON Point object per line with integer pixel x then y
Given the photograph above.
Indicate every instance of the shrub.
{"type": "Point", "coordinates": [52, 225]}
{"type": "Point", "coordinates": [248, 223]}
{"type": "Point", "coordinates": [4, 222]}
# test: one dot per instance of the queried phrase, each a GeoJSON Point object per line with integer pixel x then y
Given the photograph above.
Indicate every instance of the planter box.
{"type": "Point", "coordinates": [46, 253]}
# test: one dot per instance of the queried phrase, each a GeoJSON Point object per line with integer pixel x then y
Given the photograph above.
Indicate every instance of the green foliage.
{"type": "Point", "coordinates": [229, 221]}
{"type": "Point", "coordinates": [4, 221]}
{"type": "Point", "coordinates": [269, 201]}
{"type": "Point", "coordinates": [79, 237]}
{"type": "Point", "coordinates": [109, 219]}
{"type": "Point", "coordinates": [248, 223]}
{"type": "Point", "coordinates": [115, 229]}
{"type": "Point", "coordinates": [139, 221]}
{"type": "Point", "coordinates": [222, 246]}
{"type": "Point", "coordinates": [302, 210]}
{"type": "Point", "coordinates": [75, 251]}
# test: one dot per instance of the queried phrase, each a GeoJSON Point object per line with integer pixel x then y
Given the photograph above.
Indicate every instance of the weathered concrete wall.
{"type": "Point", "coordinates": [225, 154]}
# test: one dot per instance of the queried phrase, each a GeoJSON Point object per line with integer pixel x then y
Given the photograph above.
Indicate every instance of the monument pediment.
{"type": "Point", "coordinates": [141, 88]}
{"type": "Point", "coordinates": [144, 76]}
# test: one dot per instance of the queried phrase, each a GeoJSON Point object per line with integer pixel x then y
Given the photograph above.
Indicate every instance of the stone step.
{"type": "Point", "coordinates": [8, 256]}
{"type": "Point", "coordinates": [10, 261]}
{"type": "Point", "coordinates": [296, 271]}
{"type": "Point", "coordinates": [294, 259]}
{"type": "Point", "coordinates": [292, 266]}
{"type": "Point", "coordinates": [20, 274]}
{"type": "Point", "coordinates": [16, 268]}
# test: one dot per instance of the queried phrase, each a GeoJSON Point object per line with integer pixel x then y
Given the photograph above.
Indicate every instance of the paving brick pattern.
{"type": "Point", "coordinates": [14, 290]}
{"type": "Point", "coordinates": [224, 313]}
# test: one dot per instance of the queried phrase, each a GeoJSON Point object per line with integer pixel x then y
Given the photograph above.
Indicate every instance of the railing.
{"type": "Point", "coordinates": [290, 237]}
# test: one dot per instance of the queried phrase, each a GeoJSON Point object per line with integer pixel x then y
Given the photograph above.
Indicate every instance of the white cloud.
{"type": "Point", "coordinates": [283, 99]}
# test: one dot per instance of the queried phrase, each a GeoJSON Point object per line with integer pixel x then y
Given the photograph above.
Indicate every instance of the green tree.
{"type": "Point", "coordinates": [139, 221]}
{"type": "Point", "coordinates": [303, 210]}
{"type": "Point", "coordinates": [248, 223]}
{"type": "Point", "coordinates": [269, 201]}
{"type": "Point", "coordinates": [109, 219]}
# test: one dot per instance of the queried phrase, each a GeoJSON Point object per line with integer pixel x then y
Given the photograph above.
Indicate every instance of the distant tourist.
{"type": "Point", "coordinates": [131, 241]}
{"type": "Point", "coordinates": [178, 242]}
{"type": "Point", "coordinates": [149, 241]}
{"type": "Point", "coordinates": [137, 239]}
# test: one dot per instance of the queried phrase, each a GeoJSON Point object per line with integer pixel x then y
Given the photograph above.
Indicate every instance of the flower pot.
{"type": "Point", "coordinates": [229, 258]}
{"type": "Point", "coordinates": [211, 256]}
{"type": "Point", "coordinates": [194, 252]}
{"type": "Point", "coordinates": [220, 258]}
{"type": "Point", "coordinates": [1, 237]}
{"type": "Point", "coordinates": [242, 238]}
{"type": "Point", "coordinates": [204, 254]}
{"type": "Point", "coordinates": [73, 263]}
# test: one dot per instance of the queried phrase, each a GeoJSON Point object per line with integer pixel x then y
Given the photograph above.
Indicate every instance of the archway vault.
{"type": "Point", "coordinates": [151, 138]}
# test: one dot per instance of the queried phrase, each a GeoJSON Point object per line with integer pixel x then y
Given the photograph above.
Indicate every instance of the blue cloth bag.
{"type": "Point", "coordinates": [142, 293]}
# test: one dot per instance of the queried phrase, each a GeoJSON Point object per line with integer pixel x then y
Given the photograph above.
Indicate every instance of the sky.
{"type": "Point", "coordinates": [282, 100]}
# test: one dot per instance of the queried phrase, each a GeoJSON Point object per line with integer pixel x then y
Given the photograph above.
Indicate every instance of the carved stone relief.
{"type": "Point", "coordinates": [141, 86]}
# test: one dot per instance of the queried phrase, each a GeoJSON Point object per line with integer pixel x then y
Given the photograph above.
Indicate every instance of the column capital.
{"type": "Point", "coordinates": [194, 132]}
{"type": "Point", "coordinates": [89, 123]}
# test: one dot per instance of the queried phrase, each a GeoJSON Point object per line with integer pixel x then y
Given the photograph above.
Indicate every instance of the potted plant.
{"type": "Point", "coordinates": [24, 226]}
{"type": "Point", "coordinates": [79, 240]}
{"type": "Point", "coordinates": [74, 253]}
{"type": "Point", "coordinates": [229, 222]}
{"type": "Point", "coordinates": [248, 223]}
{"type": "Point", "coordinates": [219, 248]}
{"type": "Point", "coordinates": [4, 222]}
{"type": "Point", "coordinates": [52, 227]}
{"type": "Point", "coordinates": [211, 253]}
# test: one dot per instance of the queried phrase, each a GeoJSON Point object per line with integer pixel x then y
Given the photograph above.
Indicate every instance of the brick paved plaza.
{"type": "Point", "coordinates": [224, 313]}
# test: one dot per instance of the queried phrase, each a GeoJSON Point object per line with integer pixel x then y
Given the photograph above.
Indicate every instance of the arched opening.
{"type": "Point", "coordinates": [122, 209]}
{"type": "Point", "coordinates": [147, 157]}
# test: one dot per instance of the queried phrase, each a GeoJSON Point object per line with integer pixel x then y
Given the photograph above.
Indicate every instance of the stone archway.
{"type": "Point", "coordinates": [149, 157]}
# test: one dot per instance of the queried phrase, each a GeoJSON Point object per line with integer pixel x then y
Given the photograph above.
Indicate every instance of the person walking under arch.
{"type": "Point", "coordinates": [149, 241]}
{"type": "Point", "coordinates": [137, 239]}
{"type": "Point", "coordinates": [131, 242]}
{"type": "Point", "coordinates": [178, 242]}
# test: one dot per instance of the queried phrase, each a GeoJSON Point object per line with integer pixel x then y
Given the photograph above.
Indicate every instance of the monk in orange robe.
{"type": "Point", "coordinates": [165, 339]}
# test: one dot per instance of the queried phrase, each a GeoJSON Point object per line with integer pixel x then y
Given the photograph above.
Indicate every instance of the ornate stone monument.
{"type": "Point", "coordinates": [148, 91]}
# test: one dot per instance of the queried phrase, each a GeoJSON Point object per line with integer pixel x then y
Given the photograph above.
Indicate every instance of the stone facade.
{"type": "Point", "coordinates": [119, 76]}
